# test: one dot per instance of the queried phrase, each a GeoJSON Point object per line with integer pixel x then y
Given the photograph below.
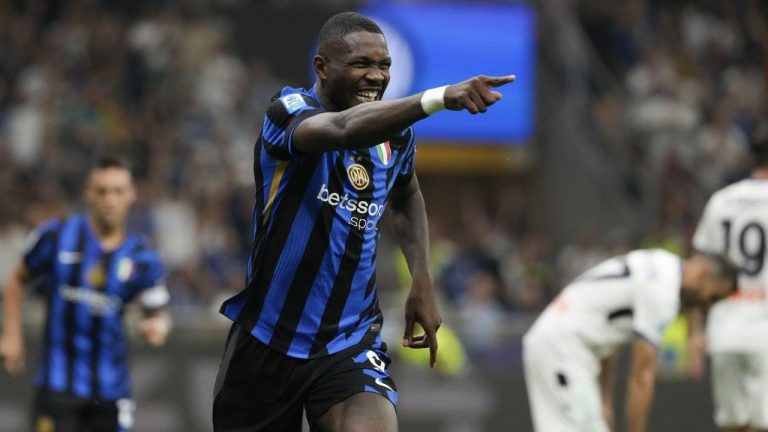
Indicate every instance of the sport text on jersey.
{"type": "Point", "coordinates": [370, 211]}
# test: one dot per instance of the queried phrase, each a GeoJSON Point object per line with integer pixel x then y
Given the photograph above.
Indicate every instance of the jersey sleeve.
{"type": "Point", "coordinates": [283, 115]}
{"type": "Point", "coordinates": [149, 282]}
{"type": "Point", "coordinates": [708, 237]}
{"type": "Point", "coordinates": [40, 248]}
{"type": "Point", "coordinates": [654, 309]}
{"type": "Point", "coordinates": [407, 168]}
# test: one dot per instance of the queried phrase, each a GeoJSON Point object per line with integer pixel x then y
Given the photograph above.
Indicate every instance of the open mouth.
{"type": "Point", "coordinates": [367, 95]}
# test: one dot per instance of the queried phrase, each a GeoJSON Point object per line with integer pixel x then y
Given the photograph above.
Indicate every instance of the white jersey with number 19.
{"type": "Point", "coordinates": [735, 222]}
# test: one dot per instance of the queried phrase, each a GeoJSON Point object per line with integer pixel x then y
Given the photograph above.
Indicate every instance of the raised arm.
{"type": "Point", "coordinates": [409, 222]}
{"type": "Point", "coordinates": [371, 123]}
{"type": "Point", "coordinates": [12, 338]}
{"type": "Point", "coordinates": [640, 386]}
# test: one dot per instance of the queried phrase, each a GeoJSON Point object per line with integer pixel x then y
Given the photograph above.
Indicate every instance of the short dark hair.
{"type": "Point", "coordinates": [723, 268]}
{"type": "Point", "coordinates": [113, 161]}
{"type": "Point", "coordinates": [333, 31]}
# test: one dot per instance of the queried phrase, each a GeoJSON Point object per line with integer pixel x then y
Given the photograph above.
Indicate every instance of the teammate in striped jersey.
{"type": "Point", "coordinates": [328, 162]}
{"type": "Point", "coordinates": [569, 353]}
{"type": "Point", "coordinates": [734, 222]}
{"type": "Point", "coordinates": [88, 267]}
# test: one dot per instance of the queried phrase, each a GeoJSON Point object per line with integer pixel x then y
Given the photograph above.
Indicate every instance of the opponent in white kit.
{"type": "Point", "coordinates": [735, 221]}
{"type": "Point", "coordinates": [567, 350]}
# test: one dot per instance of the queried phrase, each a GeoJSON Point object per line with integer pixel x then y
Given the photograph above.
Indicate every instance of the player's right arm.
{"type": "Point", "coordinates": [371, 123]}
{"type": "Point", "coordinates": [37, 260]}
{"type": "Point", "coordinates": [12, 337]}
{"type": "Point", "coordinates": [640, 385]}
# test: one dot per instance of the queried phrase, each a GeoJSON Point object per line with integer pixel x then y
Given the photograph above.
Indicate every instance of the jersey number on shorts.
{"type": "Point", "coordinates": [751, 244]}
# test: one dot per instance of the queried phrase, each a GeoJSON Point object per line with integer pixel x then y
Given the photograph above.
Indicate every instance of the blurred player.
{"type": "Point", "coordinates": [330, 159]}
{"type": "Point", "coordinates": [89, 267]}
{"type": "Point", "coordinates": [569, 352]}
{"type": "Point", "coordinates": [735, 222]}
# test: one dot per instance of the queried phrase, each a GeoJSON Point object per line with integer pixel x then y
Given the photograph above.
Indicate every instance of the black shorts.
{"type": "Point", "coordinates": [260, 389]}
{"type": "Point", "coordinates": [61, 412]}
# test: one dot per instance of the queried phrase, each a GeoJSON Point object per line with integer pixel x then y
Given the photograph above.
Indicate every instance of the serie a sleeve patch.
{"type": "Point", "coordinates": [293, 102]}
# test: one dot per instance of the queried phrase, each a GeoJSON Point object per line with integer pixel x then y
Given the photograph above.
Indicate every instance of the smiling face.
{"type": "Point", "coordinates": [354, 71]}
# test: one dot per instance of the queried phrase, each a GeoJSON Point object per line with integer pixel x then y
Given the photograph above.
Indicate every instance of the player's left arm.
{"type": "Point", "coordinates": [640, 385]}
{"type": "Point", "coordinates": [154, 298]}
{"type": "Point", "coordinates": [409, 223]}
{"type": "Point", "coordinates": [608, 367]}
{"type": "Point", "coordinates": [155, 326]}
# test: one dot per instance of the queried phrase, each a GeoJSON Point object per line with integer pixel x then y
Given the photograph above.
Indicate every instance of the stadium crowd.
{"type": "Point", "coordinates": [165, 86]}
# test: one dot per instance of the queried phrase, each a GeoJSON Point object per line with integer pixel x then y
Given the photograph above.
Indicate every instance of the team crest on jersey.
{"type": "Point", "coordinates": [358, 176]}
{"type": "Point", "coordinates": [124, 269]}
{"type": "Point", "coordinates": [293, 102]}
{"type": "Point", "coordinates": [384, 151]}
{"type": "Point", "coordinates": [97, 277]}
{"type": "Point", "coordinates": [44, 423]}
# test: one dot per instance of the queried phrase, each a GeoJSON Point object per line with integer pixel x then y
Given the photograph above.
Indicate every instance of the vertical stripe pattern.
{"type": "Point", "coordinates": [70, 309]}
{"type": "Point", "coordinates": [84, 348]}
{"type": "Point", "coordinates": [311, 286]}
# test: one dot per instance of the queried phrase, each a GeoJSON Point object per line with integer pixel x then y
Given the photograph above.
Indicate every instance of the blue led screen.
{"type": "Point", "coordinates": [434, 44]}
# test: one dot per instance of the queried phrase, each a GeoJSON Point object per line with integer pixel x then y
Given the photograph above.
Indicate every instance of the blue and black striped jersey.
{"type": "Point", "coordinates": [86, 288]}
{"type": "Point", "coordinates": [311, 285]}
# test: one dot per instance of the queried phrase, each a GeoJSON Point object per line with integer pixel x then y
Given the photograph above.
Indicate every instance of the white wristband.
{"type": "Point", "coordinates": [433, 100]}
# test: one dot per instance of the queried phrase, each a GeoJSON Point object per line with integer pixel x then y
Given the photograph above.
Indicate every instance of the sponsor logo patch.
{"type": "Point", "coordinates": [293, 102]}
{"type": "Point", "coordinates": [100, 303]}
{"type": "Point", "coordinates": [365, 213]}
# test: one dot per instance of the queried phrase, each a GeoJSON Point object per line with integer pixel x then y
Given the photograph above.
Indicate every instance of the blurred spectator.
{"type": "Point", "coordinates": [694, 83]}
{"type": "Point", "coordinates": [176, 221]}
{"type": "Point", "coordinates": [574, 258]}
{"type": "Point", "coordinates": [722, 147]}
{"type": "Point", "coordinates": [481, 315]}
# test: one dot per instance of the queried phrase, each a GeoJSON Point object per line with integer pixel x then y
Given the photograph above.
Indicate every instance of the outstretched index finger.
{"type": "Point", "coordinates": [498, 81]}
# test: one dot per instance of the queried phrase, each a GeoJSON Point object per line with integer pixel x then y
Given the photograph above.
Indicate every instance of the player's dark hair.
{"type": "Point", "coordinates": [759, 146]}
{"type": "Point", "coordinates": [113, 161]}
{"type": "Point", "coordinates": [332, 33]}
{"type": "Point", "coordinates": [724, 268]}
